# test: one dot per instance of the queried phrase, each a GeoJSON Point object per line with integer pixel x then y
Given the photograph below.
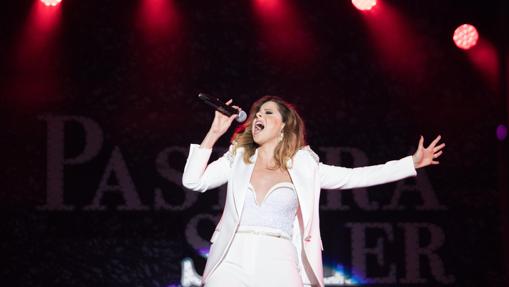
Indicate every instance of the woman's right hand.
{"type": "Point", "coordinates": [221, 122]}
{"type": "Point", "coordinates": [219, 126]}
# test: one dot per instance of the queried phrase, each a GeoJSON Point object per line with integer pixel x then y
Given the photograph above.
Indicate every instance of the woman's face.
{"type": "Point", "coordinates": [268, 124]}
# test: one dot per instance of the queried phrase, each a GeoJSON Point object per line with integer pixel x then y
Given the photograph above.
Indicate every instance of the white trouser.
{"type": "Point", "coordinates": [257, 260]}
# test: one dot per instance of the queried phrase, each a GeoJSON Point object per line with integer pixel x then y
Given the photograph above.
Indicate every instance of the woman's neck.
{"type": "Point", "coordinates": [266, 153]}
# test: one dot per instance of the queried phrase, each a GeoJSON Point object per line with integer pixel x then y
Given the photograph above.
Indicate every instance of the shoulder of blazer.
{"type": "Point", "coordinates": [307, 152]}
{"type": "Point", "coordinates": [235, 153]}
{"type": "Point", "coordinates": [231, 153]}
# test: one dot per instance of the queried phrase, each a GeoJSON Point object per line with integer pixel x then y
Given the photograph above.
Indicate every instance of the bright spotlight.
{"type": "Point", "coordinates": [364, 5]}
{"type": "Point", "coordinates": [465, 36]}
{"type": "Point", "coordinates": [51, 2]}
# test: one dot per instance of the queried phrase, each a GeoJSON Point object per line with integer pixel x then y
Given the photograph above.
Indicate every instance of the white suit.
{"type": "Point", "coordinates": [308, 175]}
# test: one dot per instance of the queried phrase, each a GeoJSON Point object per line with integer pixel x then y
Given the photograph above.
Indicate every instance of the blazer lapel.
{"type": "Point", "coordinates": [243, 177]}
{"type": "Point", "coordinates": [306, 199]}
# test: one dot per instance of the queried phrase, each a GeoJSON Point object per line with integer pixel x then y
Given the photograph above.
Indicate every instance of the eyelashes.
{"type": "Point", "coordinates": [266, 112]}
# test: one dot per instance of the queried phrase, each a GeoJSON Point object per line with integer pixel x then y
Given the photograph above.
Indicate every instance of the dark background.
{"type": "Point", "coordinates": [137, 74]}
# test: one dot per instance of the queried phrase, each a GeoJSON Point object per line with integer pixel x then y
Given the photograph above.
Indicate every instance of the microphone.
{"type": "Point", "coordinates": [222, 107]}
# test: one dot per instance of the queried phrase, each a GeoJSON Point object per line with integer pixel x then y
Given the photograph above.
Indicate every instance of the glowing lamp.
{"type": "Point", "coordinates": [364, 5]}
{"type": "Point", "coordinates": [51, 2]}
{"type": "Point", "coordinates": [465, 36]}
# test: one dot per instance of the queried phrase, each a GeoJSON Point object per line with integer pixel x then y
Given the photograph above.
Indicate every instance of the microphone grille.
{"type": "Point", "coordinates": [241, 117]}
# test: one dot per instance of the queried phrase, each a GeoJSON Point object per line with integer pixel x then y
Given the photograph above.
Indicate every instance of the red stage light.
{"type": "Point", "coordinates": [364, 5]}
{"type": "Point", "coordinates": [51, 2]}
{"type": "Point", "coordinates": [465, 36]}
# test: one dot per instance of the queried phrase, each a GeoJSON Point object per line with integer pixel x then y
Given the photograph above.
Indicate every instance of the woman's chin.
{"type": "Point", "coordinates": [261, 141]}
{"type": "Point", "coordinates": [257, 141]}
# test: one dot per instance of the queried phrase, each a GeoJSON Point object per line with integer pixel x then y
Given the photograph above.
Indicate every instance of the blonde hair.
{"type": "Point", "coordinates": [293, 132]}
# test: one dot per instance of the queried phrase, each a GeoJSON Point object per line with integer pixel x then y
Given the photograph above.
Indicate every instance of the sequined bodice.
{"type": "Point", "coordinates": [277, 209]}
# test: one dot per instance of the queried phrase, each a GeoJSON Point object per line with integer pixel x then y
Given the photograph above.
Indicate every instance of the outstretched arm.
{"type": "Point", "coordinates": [337, 177]}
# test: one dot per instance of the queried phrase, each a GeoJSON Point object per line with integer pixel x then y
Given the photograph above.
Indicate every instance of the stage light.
{"type": "Point", "coordinates": [339, 277]}
{"type": "Point", "coordinates": [51, 2]}
{"type": "Point", "coordinates": [465, 36]}
{"type": "Point", "coordinates": [189, 277]}
{"type": "Point", "coordinates": [501, 132]}
{"type": "Point", "coordinates": [364, 5]}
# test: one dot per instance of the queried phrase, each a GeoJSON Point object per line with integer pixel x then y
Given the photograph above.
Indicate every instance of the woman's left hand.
{"type": "Point", "coordinates": [426, 156]}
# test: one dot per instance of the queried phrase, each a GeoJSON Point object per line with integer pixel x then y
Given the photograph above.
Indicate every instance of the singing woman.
{"type": "Point", "coordinates": [269, 231]}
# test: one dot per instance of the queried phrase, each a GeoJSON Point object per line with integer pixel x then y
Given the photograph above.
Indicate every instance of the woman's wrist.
{"type": "Point", "coordinates": [414, 161]}
{"type": "Point", "coordinates": [209, 140]}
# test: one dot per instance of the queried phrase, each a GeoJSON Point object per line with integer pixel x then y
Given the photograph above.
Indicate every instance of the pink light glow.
{"type": "Point", "coordinates": [398, 46]}
{"type": "Point", "coordinates": [364, 5]}
{"type": "Point", "coordinates": [282, 31]}
{"type": "Point", "coordinates": [465, 36]}
{"type": "Point", "coordinates": [158, 20]}
{"type": "Point", "coordinates": [51, 2]}
{"type": "Point", "coordinates": [484, 57]}
{"type": "Point", "coordinates": [38, 34]}
{"type": "Point", "coordinates": [35, 53]}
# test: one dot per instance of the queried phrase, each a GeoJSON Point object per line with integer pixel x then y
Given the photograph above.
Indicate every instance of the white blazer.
{"type": "Point", "coordinates": [308, 175]}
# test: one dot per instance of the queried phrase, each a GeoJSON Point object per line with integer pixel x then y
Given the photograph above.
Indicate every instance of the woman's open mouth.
{"type": "Point", "coordinates": [258, 127]}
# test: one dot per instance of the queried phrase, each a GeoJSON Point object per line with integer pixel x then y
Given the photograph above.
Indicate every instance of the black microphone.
{"type": "Point", "coordinates": [222, 107]}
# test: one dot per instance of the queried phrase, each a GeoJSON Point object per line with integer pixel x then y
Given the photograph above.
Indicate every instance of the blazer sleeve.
{"type": "Point", "coordinates": [201, 177]}
{"type": "Point", "coordinates": [336, 177]}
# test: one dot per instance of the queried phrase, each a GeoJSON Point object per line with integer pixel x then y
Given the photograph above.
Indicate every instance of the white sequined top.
{"type": "Point", "coordinates": [277, 210]}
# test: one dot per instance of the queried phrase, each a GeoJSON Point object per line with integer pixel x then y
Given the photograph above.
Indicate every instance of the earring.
{"type": "Point", "coordinates": [281, 136]}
